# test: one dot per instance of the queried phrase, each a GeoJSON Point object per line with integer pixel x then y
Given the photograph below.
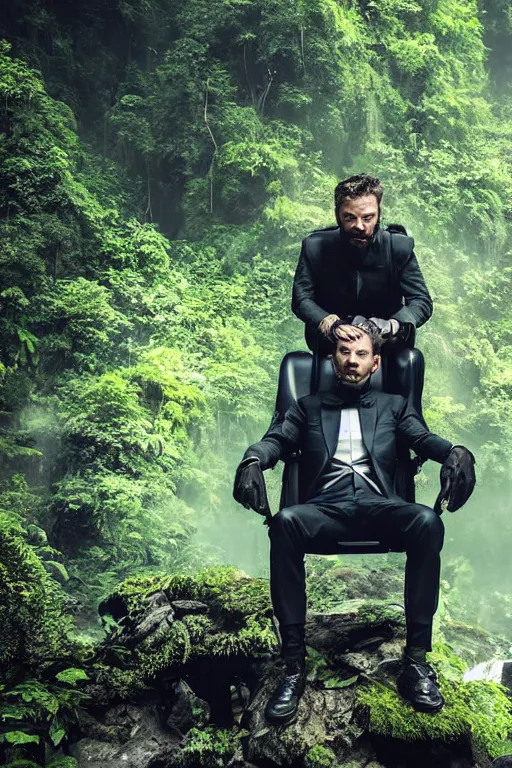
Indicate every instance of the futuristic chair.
{"type": "Point", "coordinates": [302, 373]}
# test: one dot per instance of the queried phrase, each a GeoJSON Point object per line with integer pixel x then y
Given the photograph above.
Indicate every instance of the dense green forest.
{"type": "Point", "coordinates": [160, 163]}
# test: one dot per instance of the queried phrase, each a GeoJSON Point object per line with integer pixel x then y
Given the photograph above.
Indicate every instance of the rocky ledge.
{"type": "Point", "coordinates": [184, 675]}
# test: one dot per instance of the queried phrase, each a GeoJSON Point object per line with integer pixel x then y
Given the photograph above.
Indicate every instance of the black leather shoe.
{"type": "Point", "coordinates": [283, 705]}
{"type": "Point", "coordinates": [418, 684]}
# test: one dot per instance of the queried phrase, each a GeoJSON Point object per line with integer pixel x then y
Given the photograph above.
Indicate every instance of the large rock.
{"type": "Point", "coordinates": [128, 736]}
{"type": "Point", "coordinates": [326, 717]}
{"type": "Point", "coordinates": [362, 626]}
{"type": "Point", "coordinates": [214, 631]}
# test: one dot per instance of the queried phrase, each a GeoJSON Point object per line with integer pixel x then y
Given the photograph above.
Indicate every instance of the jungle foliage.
{"type": "Point", "coordinates": [159, 163]}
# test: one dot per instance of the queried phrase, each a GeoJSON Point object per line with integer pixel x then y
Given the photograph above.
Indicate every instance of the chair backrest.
{"type": "Point", "coordinates": [402, 374]}
{"type": "Point", "coordinates": [300, 375]}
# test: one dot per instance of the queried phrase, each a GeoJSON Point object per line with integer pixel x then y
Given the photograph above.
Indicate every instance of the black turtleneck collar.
{"type": "Point", "coordinates": [352, 393]}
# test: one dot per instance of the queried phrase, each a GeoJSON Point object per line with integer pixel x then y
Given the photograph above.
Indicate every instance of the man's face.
{"type": "Point", "coordinates": [354, 361]}
{"type": "Point", "coordinates": [358, 219]}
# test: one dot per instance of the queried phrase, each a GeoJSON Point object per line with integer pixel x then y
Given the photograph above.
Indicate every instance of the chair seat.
{"type": "Point", "coordinates": [362, 548]}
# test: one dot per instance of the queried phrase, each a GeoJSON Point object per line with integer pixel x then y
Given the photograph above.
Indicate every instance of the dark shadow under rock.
{"type": "Point", "coordinates": [394, 753]}
{"type": "Point", "coordinates": [187, 710]}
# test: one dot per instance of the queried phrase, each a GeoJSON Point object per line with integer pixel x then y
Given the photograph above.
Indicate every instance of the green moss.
{"type": "Point", "coordinates": [123, 682]}
{"type": "Point", "coordinates": [199, 628]}
{"type": "Point", "coordinates": [210, 747]}
{"type": "Point", "coordinates": [239, 618]}
{"type": "Point", "coordinates": [480, 709]}
{"type": "Point", "coordinates": [22, 764]}
{"type": "Point", "coordinates": [377, 612]}
{"type": "Point", "coordinates": [238, 623]}
{"type": "Point", "coordinates": [320, 757]}
{"type": "Point", "coordinates": [140, 668]}
{"type": "Point", "coordinates": [59, 762]}
{"type": "Point", "coordinates": [173, 653]}
{"type": "Point", "coordinates": [63, 762]}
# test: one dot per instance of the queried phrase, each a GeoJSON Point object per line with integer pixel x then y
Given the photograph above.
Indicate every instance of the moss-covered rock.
{"type": "Point", "coordinates": [210, 747]}
{"type": "Point", "coordinates": [235, 621]}
{"type": "Point", "coordinates": [479, 711]}
{"type": "Point", "coordinates": [320, 757]}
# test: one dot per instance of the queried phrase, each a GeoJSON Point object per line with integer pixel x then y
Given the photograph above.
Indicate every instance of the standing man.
{"type": "Point", "coordinates": [357, 268]}
{"type": "Point", "coordinates": [348, 446]}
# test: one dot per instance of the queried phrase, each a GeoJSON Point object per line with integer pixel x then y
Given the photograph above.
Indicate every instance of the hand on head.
{"type": "Point", "coordinates": [325, 326]}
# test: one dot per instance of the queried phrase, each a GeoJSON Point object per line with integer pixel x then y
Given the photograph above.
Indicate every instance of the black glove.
{"type": "Point", "coordinates": [457, 480]}
{"type": "Point", "coordinates": [249, 488]}
{"type": "Point", "coordinates": [386, 328]}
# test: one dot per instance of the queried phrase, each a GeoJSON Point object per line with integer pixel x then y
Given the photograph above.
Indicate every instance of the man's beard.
{"type": "Point", "coordinates": [347, 237]}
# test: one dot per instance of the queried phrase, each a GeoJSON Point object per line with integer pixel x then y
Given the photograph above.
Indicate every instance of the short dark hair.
{"type": "Point", "coordinates": [357, 186]}
{"type": "Point", "coordinates": [369, 328]}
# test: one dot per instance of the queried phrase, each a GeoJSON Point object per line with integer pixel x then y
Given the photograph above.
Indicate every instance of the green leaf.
{"type": "Point", "coordinates": [71, 675]}
{"type": "Point", "coordinates": [57, 736]}
{"type": "Point", "coordinates": [20, 737]}
{"type": "Point", "coordinates": [336, 682]}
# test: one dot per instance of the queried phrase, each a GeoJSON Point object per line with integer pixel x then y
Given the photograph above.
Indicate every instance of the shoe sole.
{"type": "Point", "coordinates": [425, 709]}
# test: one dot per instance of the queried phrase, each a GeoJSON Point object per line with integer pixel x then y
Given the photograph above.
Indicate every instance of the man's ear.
{"type": "Point", "coordinates": [376, 363]}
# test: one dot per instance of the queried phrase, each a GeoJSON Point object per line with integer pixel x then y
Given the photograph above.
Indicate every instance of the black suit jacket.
{"type": "Point", "coordinates": [312, 425]}
{"type": "Point", "coordinates": [379, 282]}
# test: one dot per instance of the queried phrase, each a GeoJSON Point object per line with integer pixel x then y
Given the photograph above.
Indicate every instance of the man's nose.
{"type": "Point", "coordinates": [353, 358]}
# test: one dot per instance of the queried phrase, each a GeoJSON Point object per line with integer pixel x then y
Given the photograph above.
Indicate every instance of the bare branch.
{"type": "Point", "coordinates": [263, 97]}
{"type": "Point", "coordinates": [216, 148]}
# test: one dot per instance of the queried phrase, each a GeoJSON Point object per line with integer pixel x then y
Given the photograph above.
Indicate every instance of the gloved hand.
{"type": "Point", "coordinates": [457, 480]}
{"type": "Point", "coordinates": [386, 328]}
{"type": "Point", "coordinates": [249, 488]}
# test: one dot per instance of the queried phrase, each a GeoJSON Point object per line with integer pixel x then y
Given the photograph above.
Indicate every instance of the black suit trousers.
{"type": "Point", "coordinates": [354, 512]}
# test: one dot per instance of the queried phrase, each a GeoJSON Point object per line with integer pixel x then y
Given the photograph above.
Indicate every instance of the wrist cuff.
{"type": "Point", "coordinates": [459, 445]}
{"type": "Point", "coordinates": [249, 460]}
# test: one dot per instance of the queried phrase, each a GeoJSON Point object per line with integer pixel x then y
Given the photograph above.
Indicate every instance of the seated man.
{"type": "Point", "coordinates": [347, 441]}
{"type": "Point", "coordinates": [357, 268]}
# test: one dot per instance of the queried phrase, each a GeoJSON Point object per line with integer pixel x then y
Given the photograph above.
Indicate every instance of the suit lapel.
{"type": "Point", "coordinates": [368, 418]}
{"type": "Point", "coordinates": [331, 417]}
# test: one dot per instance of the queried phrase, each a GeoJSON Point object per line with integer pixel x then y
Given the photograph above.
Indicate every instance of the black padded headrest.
{"type": "Point", "coordinates": [403, 375]}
